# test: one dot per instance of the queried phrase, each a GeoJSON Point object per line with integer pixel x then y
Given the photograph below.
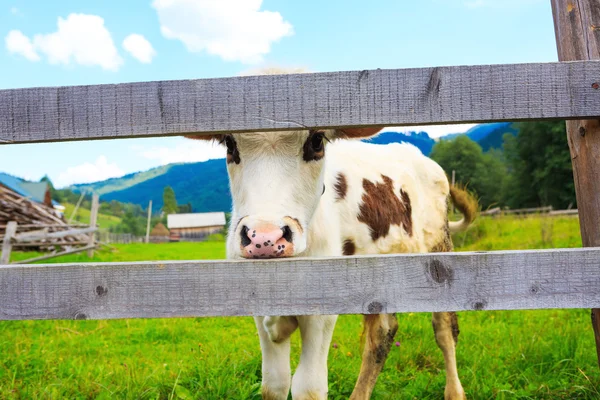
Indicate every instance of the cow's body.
{"type": "Point", "coordinates": [389, 199]}
{"type": "Point", "coordinates": [353, 198]}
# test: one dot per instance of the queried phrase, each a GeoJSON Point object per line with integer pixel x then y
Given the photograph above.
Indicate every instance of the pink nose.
{"type": "Point", "coordinates": [266, 241]}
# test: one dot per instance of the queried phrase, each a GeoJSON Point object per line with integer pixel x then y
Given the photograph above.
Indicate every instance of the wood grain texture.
{"type": "Point", "coordinates": [274, 102]}
{"type": "Point", "coordinates": [11, 229]}
{"type": "Point", "coordinates": [344, 285]}
{"type": "Point", "coordinates": [93, 223]}
{"type": "Point", "coordinates": [36, 236]}
{"type": "Point", "coordinates": [577, 27]}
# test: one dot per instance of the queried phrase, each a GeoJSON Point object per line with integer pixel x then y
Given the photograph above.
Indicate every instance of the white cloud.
{"type": "Point", "coordinates": [139, 47]}
{"type": "Point", "coordinates": [18, 43]}
{"type": "Point", "coordinates": [434, 131]}
{"type": "Point", "coordinates": [235, 30]}
{"type": "Point", "coordinates": [80, 38]}
{"type": "Point", "coordinates": [88, 172]}
{"type": "Point", "coordinates": [187, 151]}
{"type": "Point", "coordinates": [15, 11]}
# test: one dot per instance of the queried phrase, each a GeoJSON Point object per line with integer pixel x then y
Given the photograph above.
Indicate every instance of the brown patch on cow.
{"type": "Point", "coordinates": [341, 186]}
{"type": "Point", "coordinates": [407, 214]}
{"type": "Point", "coordinates": [349, 248]}
{"type": "Point", "coordinates": [454, 323]}
{"type": "Point", "coordinates": [376, 340]}
{"type": "Point", "coordinates": [445, 323]}
{"type": "Point", "coordinates": [381, 208]}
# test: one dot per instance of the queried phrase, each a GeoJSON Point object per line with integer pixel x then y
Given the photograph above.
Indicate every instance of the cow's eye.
{"type": "Point", "coordinates": [314, 149]}
{"type": "Point", "coordinates": [233, 155]}
{"type": "Point", "coordinates": [316, 142]}
{"type": "Point", "coordinates": [230, 143]}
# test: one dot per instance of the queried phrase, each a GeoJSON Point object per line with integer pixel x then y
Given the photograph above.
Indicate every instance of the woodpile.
{"type": "Point", "coordinates": [38, 225]}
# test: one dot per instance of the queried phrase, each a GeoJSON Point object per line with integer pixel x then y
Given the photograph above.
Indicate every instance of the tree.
{"type": "Point", "coordinates": [54, 194]}
{"type": "Point", "coordinates": [481, 172]}
{"type": "Point", "coordinates": [540, 167]}
{"type": "Point", "coordinates": [169, 201]}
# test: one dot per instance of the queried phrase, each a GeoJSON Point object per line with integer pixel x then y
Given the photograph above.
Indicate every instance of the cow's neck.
{"type": "Point", "coordinates": [324, 229]}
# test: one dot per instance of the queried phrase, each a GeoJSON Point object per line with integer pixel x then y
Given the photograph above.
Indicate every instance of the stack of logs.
{"type": "Point", "coordinates": [36, 219]}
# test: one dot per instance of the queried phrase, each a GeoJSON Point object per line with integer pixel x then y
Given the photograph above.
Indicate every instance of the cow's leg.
{"type": "Point", "coordinates": [310, 379]}
{"type": "Point", "coordinates": [378, 336]}
{"type": "Point", "coordinates": [445, 327]}
{"type": "Point", "coordinates": [276, 371]}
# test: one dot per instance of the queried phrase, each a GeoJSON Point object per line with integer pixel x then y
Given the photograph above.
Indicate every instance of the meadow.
{"type": "Point", "coordinates": [548, 354]}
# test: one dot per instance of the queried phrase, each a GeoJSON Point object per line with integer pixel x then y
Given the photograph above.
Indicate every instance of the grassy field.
{"type": "Point", "coordinates": [501, 354]}
{"type": "Point", "coordinates": [83, 217]}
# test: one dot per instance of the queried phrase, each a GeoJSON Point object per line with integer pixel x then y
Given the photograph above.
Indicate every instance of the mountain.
{"type": "Point", "coordinates": [488, 136]}
{"type": "Point", "coordinates": [419, 139]}
{"type": "Point", "coordinates": [206, 187]}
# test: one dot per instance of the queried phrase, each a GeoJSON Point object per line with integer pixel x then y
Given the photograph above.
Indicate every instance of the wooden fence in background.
{"type": "Point", "coordinates": [432, 282]}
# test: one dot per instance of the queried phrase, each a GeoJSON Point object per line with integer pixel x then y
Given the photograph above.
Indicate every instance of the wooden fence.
{"type": "Point", "coordinates": [433, 282]}
{"type": "Point", "coordinates": [546, 211]}
{"type": "Point", "coordinates": [121, 238]}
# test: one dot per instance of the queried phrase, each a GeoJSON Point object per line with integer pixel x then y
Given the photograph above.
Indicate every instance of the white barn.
{"type": "Point", "coordinates": [196, 226]}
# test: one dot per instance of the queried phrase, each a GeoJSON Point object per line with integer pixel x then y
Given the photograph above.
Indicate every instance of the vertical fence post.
{"type": "Point", "coordinates": [576, 25]}
{"type": "Point", "coordinates": [148, 224]}
{"type": "Point", "coordinates": [93, 222]}
{"type": "Point", "coordinates": [74, 213]}
{"type": "Point", "coordinates": [11, 229]}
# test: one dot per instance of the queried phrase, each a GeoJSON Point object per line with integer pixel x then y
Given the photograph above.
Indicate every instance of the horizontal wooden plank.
{"type": "Point", "coordinates": [344, 285]}
{"type": "Point", "coordinates": [35, 236]}
{"type": "Point", "coordinates": [509, 92]}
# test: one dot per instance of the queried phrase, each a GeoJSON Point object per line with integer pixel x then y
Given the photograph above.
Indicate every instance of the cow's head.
{"type": "Point", "coordinates": [277, 180]}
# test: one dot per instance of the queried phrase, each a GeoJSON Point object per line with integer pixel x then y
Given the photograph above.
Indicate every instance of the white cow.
{"type": "Point", "coordinates": [312, 193]}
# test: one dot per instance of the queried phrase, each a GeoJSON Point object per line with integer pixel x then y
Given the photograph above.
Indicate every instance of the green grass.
{"type": "Point", "coordinates": [501, 354]}
{"type": "Point", "coordinates": [83, 217]}
{"type": "Point", "coordinates": [520, 233]}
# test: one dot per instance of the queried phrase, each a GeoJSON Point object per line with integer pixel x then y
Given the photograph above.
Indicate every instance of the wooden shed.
{"type": "Point", "coordinates": [196, 226]}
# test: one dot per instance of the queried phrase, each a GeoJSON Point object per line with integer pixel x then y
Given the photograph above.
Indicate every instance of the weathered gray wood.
{"type": "Point", "coordinates": [54, 255]}
{"type": "Point", "coordinates": [577, 28]}
{"type": "Point", "coordinates": [382, 284]}
{"type": "Point", "coordinates": [56, 226]}
{"type": "Point", "coordinates": [564, 212]}
{"type": "Point", "coordinates": [36, 236]}
{"type": "Point", "coordinates": [93, 223]}
{"type": "Point", "coordinates": [11, 229]}
{"type": "Point", "coordinates": [356, 98]}
{"type": "Point", "coordinates": [148, 222]}
{"type": "Point", "coordinates": [74, 213]}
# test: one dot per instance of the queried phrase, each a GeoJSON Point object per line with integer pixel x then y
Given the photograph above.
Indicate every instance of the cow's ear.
{"type": "Point", "coordinates": [216, 138]}
{"type": "Point", "coordinates": [358, 133]}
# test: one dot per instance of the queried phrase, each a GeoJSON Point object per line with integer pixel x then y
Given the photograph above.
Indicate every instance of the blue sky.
{"type": "Point", "coordinates": [93, 42]}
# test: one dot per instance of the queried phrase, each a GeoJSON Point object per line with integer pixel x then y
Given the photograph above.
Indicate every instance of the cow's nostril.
{"type": "Point", "coordinates": [287, 233]}
{"type": "Point", "coordinates": [244, 234]}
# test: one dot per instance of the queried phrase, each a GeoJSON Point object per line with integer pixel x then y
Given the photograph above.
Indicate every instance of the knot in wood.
{"type": "Point", "coordinates": [375, 307]}
{"type": "Point", "coordinates": [439, 272]}
{"type": "Point", "coordinates": [101, 290]}
{"type": "Point", "coordinates": [595, 85]}
{"type": "Point", "coordinates": [480, 305]}
{"type": "Point", "coordinates": [582, 131]}
{"type": "Point", "coordinates": [80, 315]}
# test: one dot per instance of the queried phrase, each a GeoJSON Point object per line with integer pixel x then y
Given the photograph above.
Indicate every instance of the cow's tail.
{"type": "Point", "coordinates": [467, 204]}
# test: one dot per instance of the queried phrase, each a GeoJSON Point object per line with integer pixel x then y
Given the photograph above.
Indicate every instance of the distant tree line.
{"type": "Point", "coordinates": [533, 168]}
